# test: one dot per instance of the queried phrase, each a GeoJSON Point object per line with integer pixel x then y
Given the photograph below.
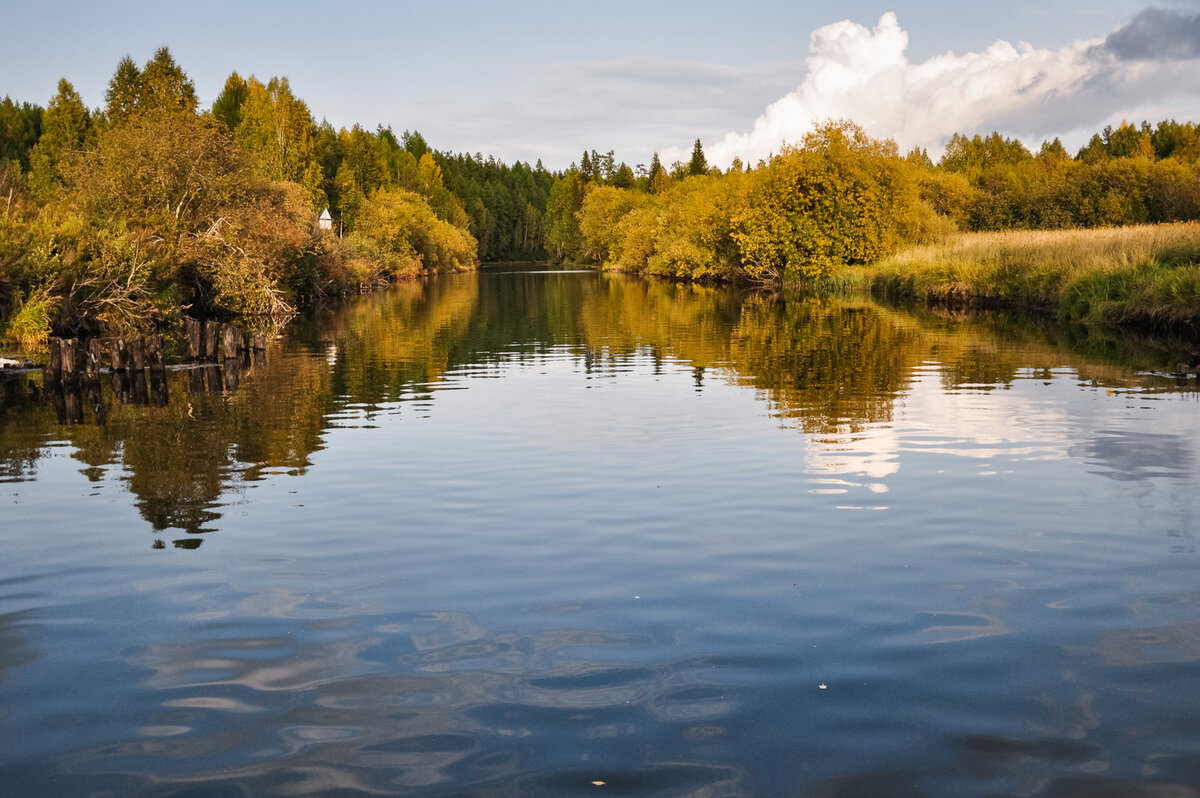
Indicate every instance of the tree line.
{"type": "Point", "coordinates": [148, 207]}
{"type": "Point", "coordinates": [839, 197]}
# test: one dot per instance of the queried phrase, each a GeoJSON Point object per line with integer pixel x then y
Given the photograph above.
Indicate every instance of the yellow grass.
{"type": "Point", "coordinates": [1143, 274]}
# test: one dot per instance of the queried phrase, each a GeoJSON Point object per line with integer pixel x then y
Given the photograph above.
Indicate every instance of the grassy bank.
{"type": "Point", "coordinates": [1145, 275]}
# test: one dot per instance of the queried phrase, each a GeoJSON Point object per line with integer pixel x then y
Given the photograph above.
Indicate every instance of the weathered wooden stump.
{"type": "Point", "coordinates": [72, 360]}
{"type": "Point", "coordinates": [196, 380]}
{"type": "Point", "coordinates": [193, 330]}
{"type": "Point", "coordinates": [257, 350]}
{"type": "Point", "coordinates": [137, 354]}
{"type": "Point", "coordinates": [230, 342]}
{"type": "Point", "coordinates": [120, 355]}
{"type": "Point", "coordinates": [156, 357]}
{"type": "Point", "coordinates": [93, 360]}
{"type": "Point", "coordinates": [212, 332]}
{"type": "Point", "coordinates": [52, 371]}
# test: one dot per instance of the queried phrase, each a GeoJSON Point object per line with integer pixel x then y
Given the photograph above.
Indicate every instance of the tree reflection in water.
{"type": "Point", "coordinates": [830, 368]}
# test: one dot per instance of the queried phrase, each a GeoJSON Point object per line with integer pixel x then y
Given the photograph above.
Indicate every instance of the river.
{"type": "Point", "coordinates": [532, 533]}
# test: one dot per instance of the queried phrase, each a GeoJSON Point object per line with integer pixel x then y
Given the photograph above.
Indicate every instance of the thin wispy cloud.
{"type": "Point", "coordinates": [632, 105]}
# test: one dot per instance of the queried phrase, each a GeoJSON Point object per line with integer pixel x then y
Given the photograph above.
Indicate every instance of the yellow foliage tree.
{"type": "Point", "coordinates": [841, 197]}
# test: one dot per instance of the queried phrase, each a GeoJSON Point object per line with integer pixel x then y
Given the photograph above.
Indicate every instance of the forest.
{"type": "Point", "coordinates": [133, 214]}
{"type": "Point", "coordinates": [148, 208]}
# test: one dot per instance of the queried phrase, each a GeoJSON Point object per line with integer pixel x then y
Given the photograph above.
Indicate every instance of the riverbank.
{"type": "Point", "coordinates": [1146, 275]}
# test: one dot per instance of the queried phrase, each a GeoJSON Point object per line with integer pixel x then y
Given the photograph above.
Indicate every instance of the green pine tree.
{"type": "Point", "coordinates": [698, 165]}
{"type": "Point", "coordinates": [228, 106]}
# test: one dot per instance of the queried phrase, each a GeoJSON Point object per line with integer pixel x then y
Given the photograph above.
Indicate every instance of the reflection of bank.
{"type": "Point", "coordinates": [17, 392]}
{"type": "Point", "coordinates": [72, 377]}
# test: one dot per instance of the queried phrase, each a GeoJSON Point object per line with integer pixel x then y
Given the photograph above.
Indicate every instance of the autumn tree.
{"type": "Point", "coordinates": [124, 93]}
{"type": "Point", "coordinates": [599, 215]}
{"type": "Point", "coordinates": [165, 86]}
{"type": "Point", "coordinates": [658, 176]}
{"type": "Point", "coordinates": [277, 130]}
{"type": "Point", "coordinates": [66, 125]}
{"type": "Point", "coordinates": [397, 230]}
{"type": "Point", "coordinates": [839, 198]}
{"type": "Point", "coordinates": [174, 214]}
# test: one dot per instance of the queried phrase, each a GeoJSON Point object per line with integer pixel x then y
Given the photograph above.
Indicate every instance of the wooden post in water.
{"type": "Point", "coordinates": [52, 371]}
{"type": "Point", "coordinates": [95, 398]}
{"type": "Point", "coordinates": [259, 345]}
{"type": "Point", "coordinates": [212, 376]}
{"type": "Point", "coordinates": [158, 387]}
{"type": "Point", "coordinates": [196, 379]}
{"type": "Point", "coordinates": [211, 334]}
{"type": "Point", "coordinates": [157, 360]}
{"type": "Point", "coordinates": [229, 342]}
{"type": "Point", "coordinates": [120, 355]}
{"type": "Point", "coordinates": [231, 373]}
{"type": "Point", "coordinates": [93, 360]}
{"type": "Point", "coordinates": [194, 332]}
{"type": "Point", "coordinates": [137, 354]}
{"type": "Point", "coordinates": [72, 403]}
{"type": "Point", "coordinates": [70, 360]}
{"type": "Point", "coordinates": [120, 381]}
{"type": "Point", "coordinates": [137, 388]}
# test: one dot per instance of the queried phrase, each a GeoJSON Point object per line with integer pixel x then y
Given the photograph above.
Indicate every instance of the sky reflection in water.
{"type": "Point", "coordinates": [518, 533]}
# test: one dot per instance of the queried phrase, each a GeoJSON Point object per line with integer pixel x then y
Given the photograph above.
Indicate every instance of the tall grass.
{"type": "Point", "coordinates": [1146, 274]}
{"type": "Point", "coordinates": [29, 325]}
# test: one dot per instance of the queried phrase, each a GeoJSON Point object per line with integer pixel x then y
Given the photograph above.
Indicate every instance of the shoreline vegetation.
{"type": "Point", "coordinates": [149, 209]}
{"type": "Point", "coordinates": [1106, 237]}
{"type": "Point", "coordinates": [1143, 276]}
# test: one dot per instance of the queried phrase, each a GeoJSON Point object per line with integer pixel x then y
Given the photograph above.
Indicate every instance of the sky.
{"type": "Point", "coordinates": [550, 79]}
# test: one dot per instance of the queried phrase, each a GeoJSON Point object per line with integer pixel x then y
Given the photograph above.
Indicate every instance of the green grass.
{"type": "Point", "coordinates": [29, 326]}
{"type": "Point", "coordinates": [1146, 275]}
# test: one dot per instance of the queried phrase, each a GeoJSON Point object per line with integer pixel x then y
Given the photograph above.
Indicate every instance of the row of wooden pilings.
{"type": "Point", "coordinates": [72, 360]}
{"type": "Point", "coordinates": [217, 354]}
{"type": "Point", "coordinates": [208, 340]}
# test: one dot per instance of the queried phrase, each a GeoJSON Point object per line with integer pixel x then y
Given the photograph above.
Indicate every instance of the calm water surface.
{"type": "Point", "coordinates": [559, 534]}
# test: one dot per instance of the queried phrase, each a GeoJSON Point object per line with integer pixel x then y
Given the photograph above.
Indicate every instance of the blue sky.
{"type": "Point", "coordinates": [550, 79]}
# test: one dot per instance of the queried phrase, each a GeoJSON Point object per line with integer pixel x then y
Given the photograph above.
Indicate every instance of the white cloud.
{"type": "Point", "coordinates": [864, 74]}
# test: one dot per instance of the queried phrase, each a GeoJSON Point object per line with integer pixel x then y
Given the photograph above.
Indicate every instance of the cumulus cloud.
{"type": "Point", "coordinates": [864, 74]}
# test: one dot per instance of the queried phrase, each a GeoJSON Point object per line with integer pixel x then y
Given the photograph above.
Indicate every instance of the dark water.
{"type": "Point", "coordinates": [518, 534]}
